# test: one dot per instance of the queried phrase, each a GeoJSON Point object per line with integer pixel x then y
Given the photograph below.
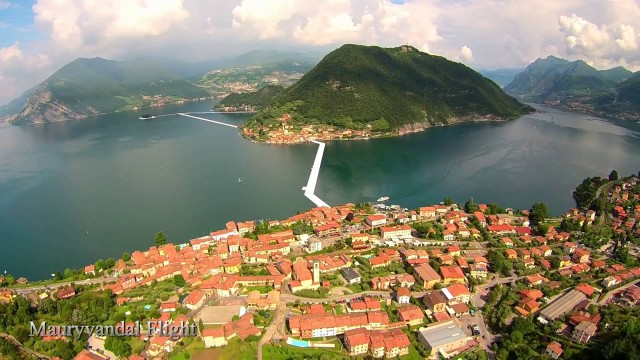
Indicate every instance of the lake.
{"type": "Point", "coordinates": [73, 192]}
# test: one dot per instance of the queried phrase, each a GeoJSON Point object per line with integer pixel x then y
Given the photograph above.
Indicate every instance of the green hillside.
{"type": "Point", "coordinates": [256, 100]}
{"type": "Point", "coordinates": [86, 87]}
{"type": "Point", "coordinates": [356, 85]}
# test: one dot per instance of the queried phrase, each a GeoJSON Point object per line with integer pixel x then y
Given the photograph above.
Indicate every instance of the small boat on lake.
{"type": "Point", "coordinates": [383, 199]}
{"type": "Point", "coordinates": [146, 117]}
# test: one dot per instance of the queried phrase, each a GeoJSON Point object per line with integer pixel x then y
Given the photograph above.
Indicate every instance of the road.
{"type": "Point", "coordinates": [277, 326]}
{"type": "Point", "coordinates": [28, 351]}
{"type": "Point", "coordinates": [38, 288]}
{"type": "Point", "coordinates": [604, 297]}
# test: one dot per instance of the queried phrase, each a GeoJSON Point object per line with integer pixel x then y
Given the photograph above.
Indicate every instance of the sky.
{"type": "Point", "coordinates": [37, 37]}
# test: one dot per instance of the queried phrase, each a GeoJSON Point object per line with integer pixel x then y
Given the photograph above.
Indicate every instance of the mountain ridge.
{"type": "Point", "coordinates": [354, 86]}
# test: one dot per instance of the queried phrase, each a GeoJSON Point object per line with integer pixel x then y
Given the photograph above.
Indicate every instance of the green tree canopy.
{"type": "Point", "coordinates": [613, 175]}
{"type": "Point", "coordinates": [538, 213]}
{"type": "Point", "coordinates": [161, 239]}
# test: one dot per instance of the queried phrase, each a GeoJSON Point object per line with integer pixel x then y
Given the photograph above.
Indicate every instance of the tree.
{"type": "Point", "coordinates": [118, 346]}
{"type": "Point", "coordinates": [380, 125]}
{"type": "Point", "coordinates": [99, 264]}
{"type": "Point", "coordinates": [538, 213]}
{"type": "Point", "coordinates": [448, 201]}
{"type": "Point", "coordinates": [178, 280]}
{"type": "Point", "coordinates": [161, 239]}
{"type": "Point", "coordinates": [126, 256]}
{"type": "Point", "coordinates": [470, 207]}
{"type": "Point", "coordinates": [613, 175]}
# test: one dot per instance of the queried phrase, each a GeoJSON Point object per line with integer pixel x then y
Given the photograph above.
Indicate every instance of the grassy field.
{"type": "Point", "coordinates": [195, 346]}
{"type": "Point", "coordinates": [286, 352]}
{"type": "Point", "coordinates": [262, 289]}
{"type": "Point", "coordinates": [235, 350]}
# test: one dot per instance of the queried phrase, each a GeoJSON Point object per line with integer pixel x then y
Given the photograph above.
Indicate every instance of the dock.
{"type": "Point", "coordinates": [208, 120]}
{"type": "Point", "coordinates": [309, 190]}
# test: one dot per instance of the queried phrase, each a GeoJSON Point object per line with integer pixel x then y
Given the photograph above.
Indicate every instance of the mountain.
{"type": "Point", "coordinates": [553, 77]}
{"type": "Point", "coordinates": [251, 101]}
{"type": "Point", "coordinates": [355, 86]}
{"type": "Point", "coordinates": [623, 101]}
{"type": "Point", "coordinates": [88, 87]}
{"type": "Point", "coordinates": [502, 77]}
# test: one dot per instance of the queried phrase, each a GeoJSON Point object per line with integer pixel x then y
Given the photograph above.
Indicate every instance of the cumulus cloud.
{"type": "Point", "coordinates": [4, 4]}
{"type": "Point", "coordinates": [75, 24]}
{"type": "Point", "coordinates": [584, 37]}
{"type": "Point", "coordinates": [465, 55]}
{"type": "Point", "coordinates": [18, 69]}
{"type": "Point", "coordinates": [627, 40]}
{"type": "Point", "coordinates": [338, 21]}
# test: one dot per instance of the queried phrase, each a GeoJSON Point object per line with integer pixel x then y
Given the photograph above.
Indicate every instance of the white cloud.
{"type": "Point", "coordinates": [19, 70]}
{"type": "Point", "coordinates": [466, 55]}
{"type": "Point", "coordinates": [627, 40]}
{"type": "Point", "coordinates": [502, 33]}
{"type": "Point", "coordinates": [5, 4]}
{"type": "Point", "coordinates": [584, 37]}
{"type": "Point", "coordinates": [75, 24]}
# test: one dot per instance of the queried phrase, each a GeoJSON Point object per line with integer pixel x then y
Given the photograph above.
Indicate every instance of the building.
{"type": "Point", "coordinates": [554, 350]}
{"type": "Point", "coordinates": [457, 294]}
{"type": "Point", "coordinates": [562, 305]}
{"type": "Point", "coordinates": [214, 337]}
{"type": "Point", "coordinates": [443, 338]}
{"type": "Point", "coordinates": [403, 295]}
{"type": "Point", "coordinates": [194, 300]}
{"type": "Point", "coordinates": [452, 274]}
{"type": "Point", "coordinates": [411, 314]}
{"type": "Point", "coordinates": [583, 332]}
{"type": "Point", "coordinates": [351, 275]}
{"type": "Point", "coordinates": [90, 355]}
{"type": "Point", "coordinates": [435, 301]}
{"type": "Point", "coordinates": [66, 292]}
{"type": "Point", "coordinates": [315, 245]}
{"type": "Point", "coordinates": [388, 344]}
{"type": "Point", "coordinates": [376, 220]}
{"type": "Point", "coordinates": [426, 276]}
{"type": "Point", "coordinates": [330, 229]}
{"type": "Point", "coordinates": [402, 231]}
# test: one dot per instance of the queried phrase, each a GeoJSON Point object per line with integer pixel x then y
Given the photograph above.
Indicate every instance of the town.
{"type": "Point", "coordinates": [364, 280]}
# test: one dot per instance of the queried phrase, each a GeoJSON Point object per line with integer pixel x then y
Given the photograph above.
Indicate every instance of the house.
{"type": "Point", "coordinates": [315, 245]}
{"type": "Point", "coordinates": [401, 231]}
{"type": "Point", "coordinates": [546, 250]}
{"type": "Point", "coordinates": [214, 337]}
{"type": "Point", "coordinates": [66, 292]}
{"type": "Point", "coordinates": [411, 314]}
{"type": "Point", "coordinates": [581, 256]}
{"type": "Point", "coordinates": [90, 355]}
{"type": "Point", "coordinates": [479, 271]}
{"type": "Point", "coordinates": [194, 300]}
{"type": "Point", "coordinates": [453, 250]}
{"type": "Point", "coordinates": [388, 344]}
{"type": "Point", "coordinates": [427, 212]}
{"type": "Point", "coordinates": [533, 294]}
{"type": "Point", "coordinates": [457, 294]}
{"type": "Point", "coordinates": [452, 274]}
{"type": "Point", "coordinates": [330, 229]}
{"type": "Point", "coordinates": [507, 242]}
{"type": "Point", "coordinates": [583, 332]}
{"type": "Point", "coordinates": [6, 296]}
{"type": "Point", "coordinates": [585, 289]}
{"type": "Point", "coordinates": [569, 247]}
{"type": "Point", "coordinates": [529, 263]}
{"type": "Point", "coordinates": [403, 295]}
{"type": "Point", "coordinates": [554, 350]}
{"type": "Point", "coordinates": [351, 275]}
{"type": "Point", "coordinates": [536, 279]}
{"type": "Point", "coordinates": [90, 269]}
{"type": "Point", "coordinates": [435, 301]}
{"type": "Point", "coordinates": [511, 254]}
{"type": "Point", "coordinates": [379, 261]}
{"type": "Point", "coordinates": [426, 276]}
{"type": "Point", "coordinates": [168, 306]}
{"type": "Point", "coordinates": [356, 341]}
{"type": "Point", "coordinates": [376, 220]}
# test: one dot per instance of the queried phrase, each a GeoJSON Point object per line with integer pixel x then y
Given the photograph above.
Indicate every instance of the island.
{"type": "Point", "coordinates": [361, 92]}
{"type": "Point", "coordinates": [357, 280]}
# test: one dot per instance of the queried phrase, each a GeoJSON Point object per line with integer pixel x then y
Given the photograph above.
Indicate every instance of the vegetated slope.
{"type": "Point", "coordinates": [356, 85]}
{"type": "Point", "coordinates": [87, 87]}
{"type": "Point", "coordinates": [256, 100]}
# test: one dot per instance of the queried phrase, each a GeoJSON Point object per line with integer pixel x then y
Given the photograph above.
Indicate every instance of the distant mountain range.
{"type": "Point", "coordinates": [502, 77]}
{"type": "Point", "coordinates": [578, 86]}
{"type": "Point", "coordinates": [87, 87]}
{"type": "Point", "coordinates": [355, 86]}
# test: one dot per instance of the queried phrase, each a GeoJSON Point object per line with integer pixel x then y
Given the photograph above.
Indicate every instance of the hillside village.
{"type": "Point", "coordinates": [372, 280]}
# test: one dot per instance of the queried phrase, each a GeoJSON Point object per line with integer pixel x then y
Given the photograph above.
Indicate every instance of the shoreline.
{"type": "Point", "coordinates": [394, 134]}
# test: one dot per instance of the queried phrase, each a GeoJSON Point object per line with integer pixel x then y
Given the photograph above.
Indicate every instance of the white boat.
{"type": "Point", "coordinates": [239, 179]}
{"type": "Point", "coordinates": [383, 199]}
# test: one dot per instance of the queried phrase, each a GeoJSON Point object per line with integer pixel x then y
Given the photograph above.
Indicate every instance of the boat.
{"type": "Point", "coordinates": [239, 179]}
{"type": "Point", "coordinates": [383, 199]}
{"type": "Point", "coordinates": [146, 117]}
